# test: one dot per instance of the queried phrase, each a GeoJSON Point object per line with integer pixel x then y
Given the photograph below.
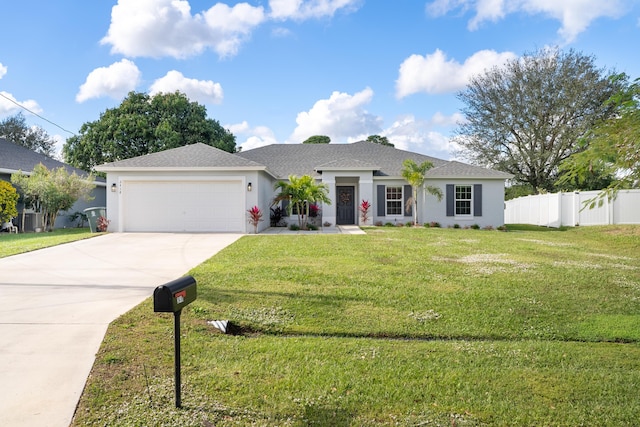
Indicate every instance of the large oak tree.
{"type": "Point", "coordinates": [527, 116]}
{"type": "Point", "coordinates": [144, 124]}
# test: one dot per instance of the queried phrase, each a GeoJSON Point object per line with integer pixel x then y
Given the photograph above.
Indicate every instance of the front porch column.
{"type": "Point", "coordinates": [329, 211]}
{"type": "Point", "coordinates": [365, 191]}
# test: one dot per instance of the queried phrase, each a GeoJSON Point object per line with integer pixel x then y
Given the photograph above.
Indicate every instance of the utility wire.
{"type": "Point", "coordinates": [35, 114]}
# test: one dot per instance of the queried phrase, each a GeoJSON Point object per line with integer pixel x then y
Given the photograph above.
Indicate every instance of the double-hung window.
{"type": "Point", "coordinates": [394, 200]}
{"type": "Point", "coordinates": [463, 200]}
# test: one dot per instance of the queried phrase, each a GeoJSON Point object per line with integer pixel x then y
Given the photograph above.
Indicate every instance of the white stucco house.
{"type": "Point", "coordinates": [198, 188]}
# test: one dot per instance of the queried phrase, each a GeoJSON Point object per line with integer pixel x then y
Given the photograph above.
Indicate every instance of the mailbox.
{"type": "Point", "coordinates": [173, 296]}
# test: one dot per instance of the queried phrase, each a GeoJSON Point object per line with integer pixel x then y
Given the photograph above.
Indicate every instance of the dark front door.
{"type": "Point", "coordinates": [346, 206]}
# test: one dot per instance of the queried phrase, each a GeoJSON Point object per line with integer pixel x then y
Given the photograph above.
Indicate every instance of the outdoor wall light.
{"type": "Point", "coordinates": [249, 187]}
{"type": "Point", "coordinates": [113, 187]}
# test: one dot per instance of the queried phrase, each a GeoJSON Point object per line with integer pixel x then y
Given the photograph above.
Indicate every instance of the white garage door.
{"type": "Point", "coordinates": [189, 206]}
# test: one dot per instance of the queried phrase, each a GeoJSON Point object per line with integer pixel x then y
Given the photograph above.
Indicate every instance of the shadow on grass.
{"type": "Point", "coordinates": [245, 330]}
{"type": "Point", "coordinates": [529, 227]}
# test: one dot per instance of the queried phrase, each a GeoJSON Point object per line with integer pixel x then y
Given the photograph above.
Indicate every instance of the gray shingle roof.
{"type": "Point", "coordinates": [309, 159]}
{"type": "Point", "coordinates": [342, 164]}
{"type": "Point", "coordinates": [282, 160]}
{"type": "Point", "coordinates": [462, 170]}
{"type": "Point", "coordinates": [14, 157]}
{"type": "Point", "coordinates": [189, 156]}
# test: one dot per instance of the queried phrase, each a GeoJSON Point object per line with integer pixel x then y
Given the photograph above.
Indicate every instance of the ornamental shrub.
{"type": "Point", "coordinates": [8, 202]}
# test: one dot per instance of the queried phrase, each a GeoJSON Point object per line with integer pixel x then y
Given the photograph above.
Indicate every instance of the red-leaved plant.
{"type": "Point", "coordinates": [102, 224]}
{"type": "Point", "coordinates": [314, 210]}
{"type": "Point", "coordinates": [255, 216]}
{"type": "Point", "coordinates": [364, 211]}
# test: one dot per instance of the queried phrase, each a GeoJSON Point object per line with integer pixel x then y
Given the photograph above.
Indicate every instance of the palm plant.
{"type": "Point", "coordinates": [415, 175]}
{"type": "Point", "coordinates": [300, 192]}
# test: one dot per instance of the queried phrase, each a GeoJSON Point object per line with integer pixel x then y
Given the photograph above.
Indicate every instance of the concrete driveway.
{"type": "Point", "coordinates": [56, 304]}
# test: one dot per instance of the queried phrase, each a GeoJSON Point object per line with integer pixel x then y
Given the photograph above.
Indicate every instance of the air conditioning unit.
{"type": "Point", "coordinates": [32, 221]}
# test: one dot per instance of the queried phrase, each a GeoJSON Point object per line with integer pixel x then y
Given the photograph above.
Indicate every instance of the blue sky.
{"type": "Point", "coordinates": [279, 71]}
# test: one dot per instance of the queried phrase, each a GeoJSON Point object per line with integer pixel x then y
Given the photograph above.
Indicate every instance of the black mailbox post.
{"type": "Point", "coordinates": [171, 298]}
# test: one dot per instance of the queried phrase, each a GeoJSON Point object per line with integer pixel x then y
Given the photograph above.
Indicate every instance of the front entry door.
{"type": "Point", "coordinates": [346, 206]}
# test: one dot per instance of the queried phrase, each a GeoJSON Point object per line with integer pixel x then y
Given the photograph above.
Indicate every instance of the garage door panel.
{"type": "Point", "coordinates": [190, 206]}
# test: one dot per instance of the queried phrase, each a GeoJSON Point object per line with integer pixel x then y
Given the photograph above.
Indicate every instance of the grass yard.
{"type": "Point", "coordinates": [13, 244]}
{"type": "Point", "coordinates": [399, 327]}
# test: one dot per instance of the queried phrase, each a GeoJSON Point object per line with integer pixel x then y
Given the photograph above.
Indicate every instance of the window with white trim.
{"type": "Point", "coordinates": [394, 200]}
{"type": "Point", "coordinates": [463, 200]}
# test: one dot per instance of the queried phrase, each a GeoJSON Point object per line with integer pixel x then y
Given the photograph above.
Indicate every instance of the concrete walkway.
{"type": "Point", "coordinates": [56, 304]}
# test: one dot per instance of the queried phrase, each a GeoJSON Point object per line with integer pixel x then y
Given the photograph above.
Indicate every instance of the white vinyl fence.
{"type": "Point", "coordinates": [571, 209]}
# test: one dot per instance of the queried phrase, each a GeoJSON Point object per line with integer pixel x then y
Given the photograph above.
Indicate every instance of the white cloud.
{"type": "Point", "coordinates": [340, 117]}
{"type": "Point", "coordinates": [407, 133]}
{"type": "Point", "coordinates": [253, 137]}
{"type": "Point", "coordinates": [300, 10]}
{"type": "Point", "coordinates": [575, 15]}
{"type": "Point", "coordinates": [114, 81]}
{"type": "Point", "coordinates": [59, 142]}
{"type": "Point", "coordinates": [281, 32]}
{"type": "Point", "coordinates": [7, 107]}
{"type": "Point", "coordinates": [435, 73]}
{"type": "Point", "coordinates": [202, 91]}
{"type": "Point", "coordinates": [157, 28]}
{"type": "Point", "coordinates": [440, 120]}
{"type": "Point", "coordinates": [8, 102]}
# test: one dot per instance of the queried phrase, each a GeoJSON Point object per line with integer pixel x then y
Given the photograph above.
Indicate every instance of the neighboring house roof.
{"type": "Point", "coordinates": [14, 158]}
{"type": "Point", "coordinates": [194, 156]}
{"type": "Point", "coordinates": [310, 159]}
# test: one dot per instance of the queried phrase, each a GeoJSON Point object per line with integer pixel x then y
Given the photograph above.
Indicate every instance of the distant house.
{"type": "Point", "coordinates": [198, 188]}
{"type": "Point", "coordinates": [15, 158]}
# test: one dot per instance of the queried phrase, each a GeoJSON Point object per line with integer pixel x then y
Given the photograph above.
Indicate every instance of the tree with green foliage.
{"type": "Point", "coordinates": [613, 146]}
{"type": "Point", "coordinates": [51, 191]}
{"type": "Point", "coordinates": [317, 139]}
{"type": "Point", "coordinates": [300, 192]}
{"type": "Point", "coordinates": [144, 124]}
{"type": "Point", "coordinates": [8, 202]}
{"type": "Point", "coordinates": [415, 175]}
{"type": "Point", "coordinates": [527, 116]}
{"type": "Point", "coordinates": [16, 130]}
{"type": "Point", "coordinates": [514, 191]}
{"type": "Point", "coordinates": [377, 139]}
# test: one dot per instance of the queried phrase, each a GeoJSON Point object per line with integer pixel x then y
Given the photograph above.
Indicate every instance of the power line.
{"type": "Point", "coordinates": [34, 113]}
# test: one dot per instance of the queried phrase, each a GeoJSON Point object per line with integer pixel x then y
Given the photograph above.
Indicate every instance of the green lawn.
{"type": "Point", "coordinates": [13, 244]}
{"type": "Point", "coordinates": [401, 326]}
